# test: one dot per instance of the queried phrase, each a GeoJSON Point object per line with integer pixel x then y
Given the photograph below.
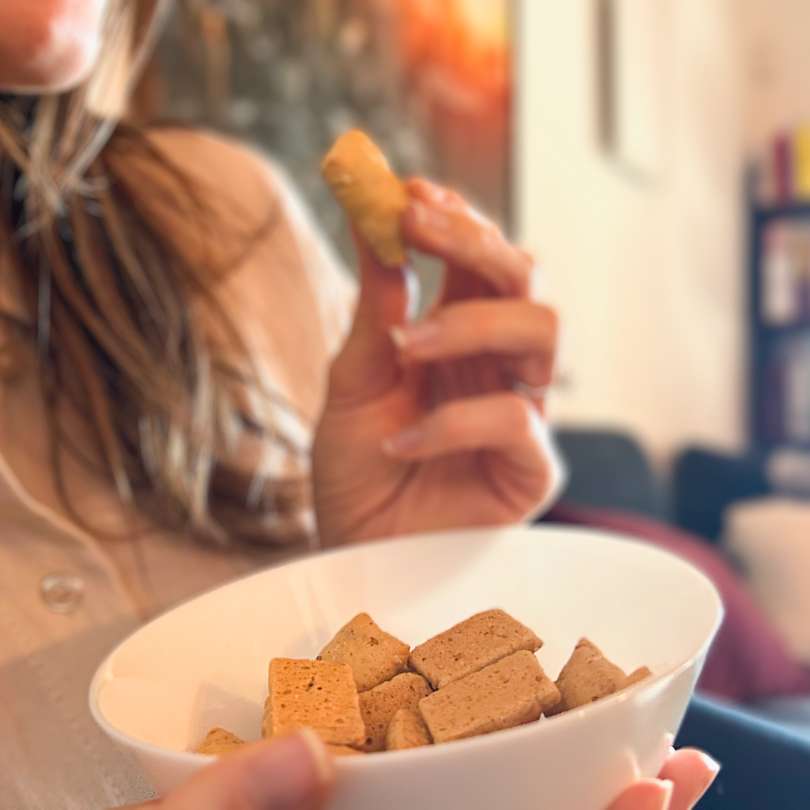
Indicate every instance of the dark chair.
{"type": "Point", "coordinates": [765, 767]}
{"type": "Point", "coordinates": [608, 469]}
{"type": "Point", "coordinates": [706, 482]}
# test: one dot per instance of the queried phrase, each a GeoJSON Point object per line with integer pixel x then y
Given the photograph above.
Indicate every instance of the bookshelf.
{"type": "Point", "coordinates": [779, 324]}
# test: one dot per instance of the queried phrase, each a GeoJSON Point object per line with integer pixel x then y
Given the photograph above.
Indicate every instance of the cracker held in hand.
{"type": "Point", "coordinates": [373, 197]}
{"type": "Point", "coordinates": [509, 693]}
{"type": "Point", "coordinates": [374, 655]}
{"type": "Point", "coordinates": [406, 730]}
{"type": "Point", "coordinates": [320, 695]}
{"type": "Point", "coordinates": [470, 646]}
{"type": "Point", "coordinates": [588, 676]}
{"type": "Point", "coordinates": [219, 741]}
{"type": "Point", "coordinates": [379, 705]}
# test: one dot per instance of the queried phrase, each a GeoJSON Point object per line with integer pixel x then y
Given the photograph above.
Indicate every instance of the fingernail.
{"type": "Point", "coordinates": [427, 217]}
{"type": "Point", "coordinates": [292, 773]}
{"type": "Point", "coordinates": [712, 765]}
{"type": "Point", "coordinates": [320, 756]}
{"type": "Point", "coordinates": [404, 442]}
{"type": "Point", "coordinates": [667, 789]}
{"type": "Point", "coordinates": [536, 371]}
{"type": "Point", "coordinates": [414, 336]}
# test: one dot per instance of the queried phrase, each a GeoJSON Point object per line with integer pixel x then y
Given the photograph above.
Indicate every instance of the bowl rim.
{"type": "Point", "coordinates": [193, 758]}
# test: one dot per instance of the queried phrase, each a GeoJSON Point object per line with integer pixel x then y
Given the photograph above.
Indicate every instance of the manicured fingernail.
{"type": "Point", "coordinates": [291, 773]}
{"type": "Point", "coordinates": [712, 765]}
{"type": "Point", "coordinates": [404, 442]}
{"type": "Point", "coordinates": [436, 193]}
{"type": "Point", "coordinates": [320, 756]}
{"type": "Point", "coordinates": [667, 789]}
{"type": "Point", "coordinates": [416, 335]}
{"type": "Point", "coordinates": [536, 371]}
{"type": "Point", "coordinates": [427, 217]}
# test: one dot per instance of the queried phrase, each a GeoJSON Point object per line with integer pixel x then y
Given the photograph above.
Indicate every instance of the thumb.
{"type": "Point", "coordinates": [367, 364]}
{"type": "Point", "coordinates": [292, 773]}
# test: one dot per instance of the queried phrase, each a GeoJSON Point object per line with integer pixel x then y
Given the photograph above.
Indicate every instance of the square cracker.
{"type": "Point", "coordinates": [586, 677]}
{"type": "Point", "coordinates": [320, 695]}
{"type": "Point", "coordinates": [380, 704]}
{"type": "Point", "coordinates": [508, 693]}
{"type": "Point", "coordinates": [636, 676]}
{"type": "Point", "coordinates": [343, 751]}
{"type": "Point", "coordinates": [374, 655]}
{"type": "Point", "coordinates": [470, 646]}
{"type": "Point", "coordinates": [267, 718]}
{"type": "Point", "coordinates": [406, 730]}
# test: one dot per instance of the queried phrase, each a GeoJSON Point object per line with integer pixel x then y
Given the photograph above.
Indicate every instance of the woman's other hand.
{"type": "Point", "coordinates": [293, 773]}
{"type": "Point", "coordinates": [685, 777]}
{"type": "Point", "coordinates": [439, 424]}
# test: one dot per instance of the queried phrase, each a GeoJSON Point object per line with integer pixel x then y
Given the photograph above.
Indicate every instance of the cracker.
{"type": "Point", "coordinates": [470, 646]}
{"type": "Point", "coordinates": [343, 751]}
{"type": "Point", "coordinates": [320, 695]}
{"type": "Point", "coordinates": [636, 676]}
{"type": "Point", "coordinates": [219, 741]}
{"type": "Point", "coordinates": [406, 730]}
{"type": "Point", "coordinates": [371, 194]}
{"type": "Point", "coordinates": [267, 719]}
{"type": "Point", "coordinates": [586, 677]}
{"type": "Point", "coordinates": [380, 704]}
{"type": "Point", "coordinates": [508, 693]}
{"type": "Point", "coordinates": [374, 655]}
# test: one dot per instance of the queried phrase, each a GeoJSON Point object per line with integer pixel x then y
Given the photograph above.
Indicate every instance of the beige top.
{"type": "Point", "coordinates": [66, 597]}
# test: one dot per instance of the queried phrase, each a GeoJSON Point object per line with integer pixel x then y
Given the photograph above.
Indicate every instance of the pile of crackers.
{"type": "Point", "coordinates": [368, 691]}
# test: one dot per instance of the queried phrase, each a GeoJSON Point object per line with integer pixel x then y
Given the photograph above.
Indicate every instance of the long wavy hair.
{"type": "Point", "coordinates": [115, 309]}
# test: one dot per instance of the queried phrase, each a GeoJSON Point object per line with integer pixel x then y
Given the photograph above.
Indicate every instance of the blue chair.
{"type": "Point", "coordinates": [764, 766]}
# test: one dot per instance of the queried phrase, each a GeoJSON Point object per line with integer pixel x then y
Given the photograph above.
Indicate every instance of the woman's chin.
{"type": "Point", "coordinates": [61, 75]}
{"type": "Point", "coordinates": [49, 48]}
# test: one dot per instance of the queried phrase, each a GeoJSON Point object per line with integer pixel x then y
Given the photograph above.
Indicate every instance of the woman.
{"type": "Point", "coordinates": [169, 319]}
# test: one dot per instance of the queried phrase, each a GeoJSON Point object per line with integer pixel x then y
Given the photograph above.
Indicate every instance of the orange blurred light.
{"type": "Point", "coordinates": [467, 40]}
{"type": "Point", "coordinates": [485, 21]}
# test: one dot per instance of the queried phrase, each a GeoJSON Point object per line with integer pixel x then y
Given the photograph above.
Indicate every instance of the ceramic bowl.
{"type": "Point", "coordinates": [205, 663]}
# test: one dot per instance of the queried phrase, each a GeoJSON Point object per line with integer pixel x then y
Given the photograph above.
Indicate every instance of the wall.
{"type": "Point", "coordinates": [777, 62]}
{"type": "Point", "coordinates": [648, 275]}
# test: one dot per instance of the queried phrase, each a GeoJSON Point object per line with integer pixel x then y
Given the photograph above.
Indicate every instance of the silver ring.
{"type": "Point", "coordinates": [530, 391]}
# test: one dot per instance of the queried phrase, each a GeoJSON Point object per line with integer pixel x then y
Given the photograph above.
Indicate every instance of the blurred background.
{"type": "Point", "coordinates": [655, 155]}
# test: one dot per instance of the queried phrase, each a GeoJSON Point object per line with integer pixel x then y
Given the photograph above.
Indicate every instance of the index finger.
{"type": "Point", "coordinates": [439, 223]}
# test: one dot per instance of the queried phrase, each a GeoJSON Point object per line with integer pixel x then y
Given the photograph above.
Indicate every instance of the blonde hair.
{"type": "Point", "coordinates": [107, 298]}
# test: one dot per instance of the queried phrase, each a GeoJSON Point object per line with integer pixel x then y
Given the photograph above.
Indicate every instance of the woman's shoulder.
{"type": "Point", "coordinates": [245, 179]}
{"type": "Point", "coordinates": [222, 162]}
{"type": "Point", "coordinates": [239, 177]}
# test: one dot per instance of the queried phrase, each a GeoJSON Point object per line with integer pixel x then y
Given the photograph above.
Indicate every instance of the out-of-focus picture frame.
{"type": "Point", "coordinates": [630, 65]}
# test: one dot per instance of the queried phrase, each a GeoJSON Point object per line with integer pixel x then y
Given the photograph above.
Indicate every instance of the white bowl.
{"type": "Point", "coordinates": [205, 663]}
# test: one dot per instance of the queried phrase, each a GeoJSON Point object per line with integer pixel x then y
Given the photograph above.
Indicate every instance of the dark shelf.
{"type": "Point", "coordinates": [784, 330]}
{"type": "Point", "coordinates": [794, 210]}
{"type": "Point", "coordinates": [764, 338]}
{"type": "Point", "coordinates": [769, 443]}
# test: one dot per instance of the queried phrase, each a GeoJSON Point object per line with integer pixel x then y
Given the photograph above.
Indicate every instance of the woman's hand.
{"type": "Point", "coordinates": [292, 773]}
{"type": "Point", "coordinates": [685, 777]}
{"type": "Point", "coordinates": [295, 773]}
{"type": "Point", "coordinates": [439, 424]}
